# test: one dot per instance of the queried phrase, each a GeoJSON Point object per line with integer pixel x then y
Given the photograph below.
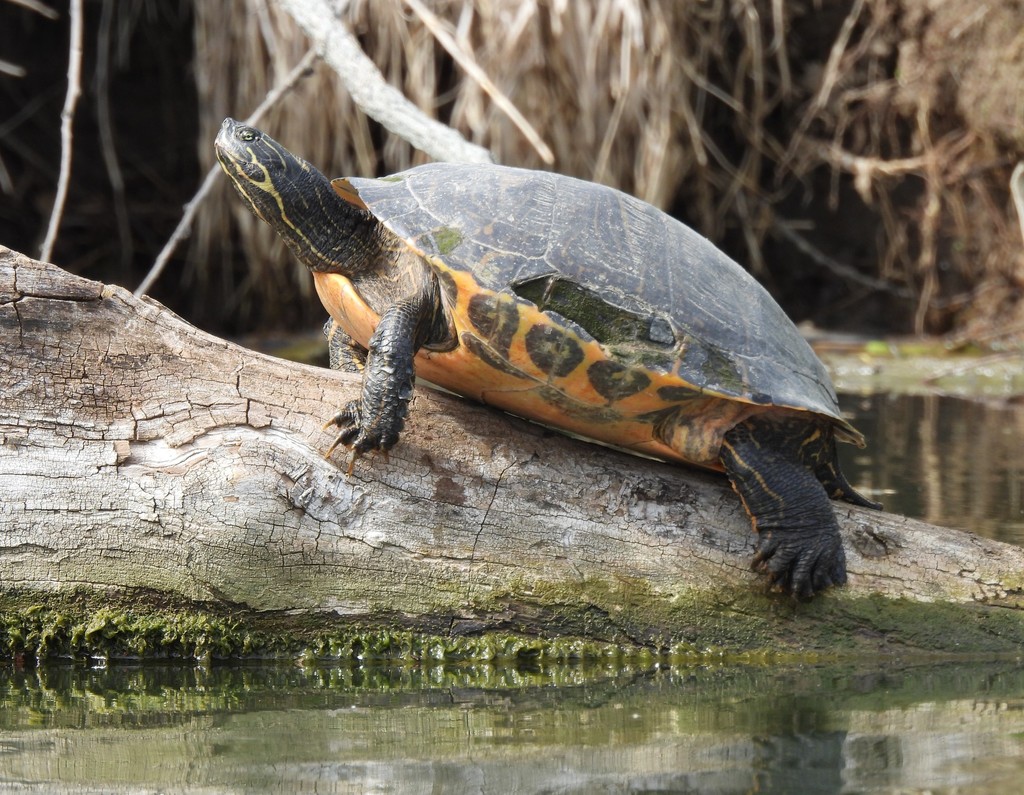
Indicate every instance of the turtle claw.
{"type": "Point", "coordinates": [347, 420]}
{"type": "Point", "coordinates": [353, 434]}
{"type": "Point", "coordinates": [798, 568]}
{"type": "Point", "coordinates": [353, 455]}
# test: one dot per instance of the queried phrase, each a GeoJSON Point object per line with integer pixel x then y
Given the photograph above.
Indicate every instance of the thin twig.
{"type": "Point", "coordinates": [844, 271]}
{"type": "Point", "coordinates": [1017, 190]}
{"type": "Point", "coordinates": [777, 47]}
{"type": "Point", "coordinates": [26, 111]}
{"type": "Point", "coordinates": [39, 8]}
{"type": "Point", "coordinates": [471, 68]}
{"type": "Point", "coordinates": [184, 227]}
{"type": "Point", "coordinates": [929, 221]}
{"type": "Point", "coordinates": [12, 69]}
{"type": "Point", "coordinates": [105, 127]}
{"type": "Point", "coordinates": [829, 79]}
{"type": "Point", "coordinates": [67, 118]}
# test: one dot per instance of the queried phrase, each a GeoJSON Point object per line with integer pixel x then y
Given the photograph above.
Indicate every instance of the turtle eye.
{"type": "Point", "coordinates": [247, 134]}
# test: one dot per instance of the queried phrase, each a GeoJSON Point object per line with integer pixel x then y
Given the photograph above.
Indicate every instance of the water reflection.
{"type": "Point", "coordinates": [808, 729]}
{"type": "Point", "coordinates": [946, 460]}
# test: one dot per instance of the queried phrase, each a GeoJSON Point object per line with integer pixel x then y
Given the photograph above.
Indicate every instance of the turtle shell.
{"type": "Point", "coordinates": [667, 311]}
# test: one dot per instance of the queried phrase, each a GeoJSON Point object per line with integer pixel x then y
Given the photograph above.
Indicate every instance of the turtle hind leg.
{"type": "Point", "coordinates": [773, 464]}
{"type": "Point", "coordinates": [345, 353]}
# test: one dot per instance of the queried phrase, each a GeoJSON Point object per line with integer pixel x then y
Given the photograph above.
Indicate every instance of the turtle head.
{"type": "Point", "coordinates": [290, 195]}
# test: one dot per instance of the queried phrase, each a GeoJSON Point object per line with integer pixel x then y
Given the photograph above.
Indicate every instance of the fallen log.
{"type": "Point", "coordinates": [150, 466]}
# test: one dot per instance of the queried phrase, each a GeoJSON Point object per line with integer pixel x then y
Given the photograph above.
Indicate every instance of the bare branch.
{"type": "Point", "coordinates": [842, 270]}
{"type": "Point", "coordinates": [371, 92]}
{"type": "Point", "coordinates": [105, 127]}
{"type": "Point", "coordinates": [67, 118]}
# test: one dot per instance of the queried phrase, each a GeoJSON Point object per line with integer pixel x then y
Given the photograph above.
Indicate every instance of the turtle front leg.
{"type": "Point", "coordinates": [375, 421]}
{"type": "Point", "coordinates": [772, 462]}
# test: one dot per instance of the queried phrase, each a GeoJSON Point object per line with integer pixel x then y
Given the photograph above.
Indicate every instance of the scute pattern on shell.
{"type": "Point", "coordinates": [511, 227]}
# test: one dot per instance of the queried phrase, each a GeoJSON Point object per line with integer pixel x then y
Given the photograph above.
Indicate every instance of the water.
{"type": "Point", "coordinates": [884, 725]}
{"type": "Point", "coordinates": [873, 727]}
{"type": "Point", "coordinates": [948, 461]}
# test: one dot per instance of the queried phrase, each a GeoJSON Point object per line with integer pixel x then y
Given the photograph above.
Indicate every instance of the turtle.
{"type": "Point", "coordinates": [571, 304]}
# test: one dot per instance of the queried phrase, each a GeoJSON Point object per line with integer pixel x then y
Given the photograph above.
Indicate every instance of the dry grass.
{"type": "Point", "coordinates": [720, 107]}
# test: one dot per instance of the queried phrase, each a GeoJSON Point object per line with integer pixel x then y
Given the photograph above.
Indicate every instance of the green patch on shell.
{"type": "Point", "coordinates": [705, 364]}
{"type": "Point", "coordinates": [446, 239]}
{"type": "Point", "coordinates": [605, 322]}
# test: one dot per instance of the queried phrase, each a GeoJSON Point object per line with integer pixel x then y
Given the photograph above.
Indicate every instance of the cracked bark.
{"type": "Point", "coordinates": [138, 452]}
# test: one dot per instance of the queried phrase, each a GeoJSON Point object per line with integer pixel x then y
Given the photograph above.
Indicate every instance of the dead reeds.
{"type": "Point", "coordinates": [716, 109]}
{"type": "Point", "coordinates": [855, 154]}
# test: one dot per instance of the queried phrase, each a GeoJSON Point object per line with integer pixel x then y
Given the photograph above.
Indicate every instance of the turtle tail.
{"type": "Point", "coordinates": [838, 487]}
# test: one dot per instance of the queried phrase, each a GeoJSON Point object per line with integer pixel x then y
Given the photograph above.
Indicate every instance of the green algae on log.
{"type": "Point", "coordinates": [143, 456]}
{"type": "Point", "coordinates": [132, 626]}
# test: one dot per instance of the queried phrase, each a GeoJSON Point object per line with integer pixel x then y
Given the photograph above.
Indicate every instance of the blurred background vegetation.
{"type": "Point", "coordinates": [854, 154]}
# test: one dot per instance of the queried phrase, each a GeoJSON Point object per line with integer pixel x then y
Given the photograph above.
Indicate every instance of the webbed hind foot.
{"type": "Point", "coordinates": [784, 469]}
